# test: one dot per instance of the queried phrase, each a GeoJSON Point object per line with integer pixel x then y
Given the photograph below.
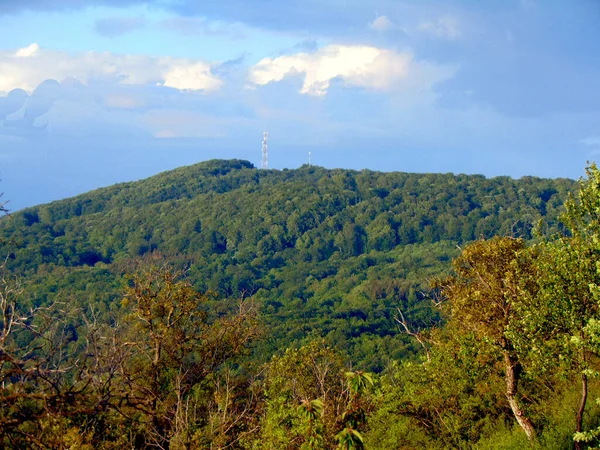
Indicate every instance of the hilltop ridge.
{"type": "Point", "coordinates": [327, 252]}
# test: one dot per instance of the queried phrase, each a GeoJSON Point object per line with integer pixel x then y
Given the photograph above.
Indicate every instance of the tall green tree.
{"type": "Point", "coordinates": [483, 297]}
{"type": "Point", "coordinates": [568, 277]}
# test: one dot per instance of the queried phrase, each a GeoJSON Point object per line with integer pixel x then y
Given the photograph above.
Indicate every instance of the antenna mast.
{"type": "Point", "coordinates": [309, 155]}
{"type": "Point", "coordinates": [265, 151]}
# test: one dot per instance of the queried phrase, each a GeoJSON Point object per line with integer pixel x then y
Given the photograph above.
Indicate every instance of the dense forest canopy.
{"type": "Point", "coordinates": [219, 306]}
{"type": "Point", "coordinates": [324, 253]}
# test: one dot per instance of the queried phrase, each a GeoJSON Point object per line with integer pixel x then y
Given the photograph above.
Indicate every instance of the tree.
{"type": "Point", "coordinates": [355, 416]}
{"type": "Point", "coordinates": [311, 413]}
{"type": "Point", "coordinates": [491, 279]}
{"type": "Point", "coordinates": [174, 345]}
{"type": "Point", "coordinates": [565, 305]}
{"type": "Point", "coordinates": [312, 402]}
{"type": "Point", "coordinates": [568, 302]}
{"type": "Point", "coordinates": [46, 369]}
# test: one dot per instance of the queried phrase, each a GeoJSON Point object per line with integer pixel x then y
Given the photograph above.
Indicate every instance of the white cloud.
{"type": "Point", "coordinates": [29, 66]}
{"type": "Point", "coordinates": [360, 66]}
{"type": "Point", "coordinates": [31, 50]}
{"type": "Point", "coordinates": [190, 76]}
{"type": "Point", "coordinates": [444, 27]}
{"type": "Point", "coordinates": [381, 23]}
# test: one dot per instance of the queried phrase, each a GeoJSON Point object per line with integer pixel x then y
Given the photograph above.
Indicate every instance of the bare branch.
{"type": "Point", "coordinates": [416, 334]}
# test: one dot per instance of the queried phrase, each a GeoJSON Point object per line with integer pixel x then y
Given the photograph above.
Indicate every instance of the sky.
{"type": "Point", "coordinates": [103, 91]}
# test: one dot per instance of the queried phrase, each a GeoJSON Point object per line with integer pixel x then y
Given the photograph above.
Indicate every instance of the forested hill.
{"type": "Point", "coordinates": [327, 253]}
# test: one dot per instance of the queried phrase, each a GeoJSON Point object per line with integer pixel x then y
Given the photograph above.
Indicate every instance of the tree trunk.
{"type": "Point", "coordinates": [511, 390]}
{"type": "Point", "coordinates": [584, 393]}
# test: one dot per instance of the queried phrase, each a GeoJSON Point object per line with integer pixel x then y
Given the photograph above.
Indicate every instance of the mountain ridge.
{"type": "Point", "coordinates": [324, 252]}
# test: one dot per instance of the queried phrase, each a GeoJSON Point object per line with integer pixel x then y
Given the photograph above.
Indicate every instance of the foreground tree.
{"type": "Point", "coordinates": [562, 319]}
{"type": "Point", "coordinates": [47, 378]}
{"type": "Point", "coordinates": [313, 402]}
{"type": "Point", "coordinates": [491, 279]}
{"type": "Point", "coordinates": [174, 345]}
{"type": "Point", "coordinates": [558, 319]}
{"type": "Point", "coordinates": [582, 218]}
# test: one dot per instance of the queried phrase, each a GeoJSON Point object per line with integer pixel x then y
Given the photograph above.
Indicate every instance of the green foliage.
{"type": "Point", "coordinates": [349, 439]}
{"type": "Point", "coordinates": [561, 321]}
{"type": "Point", "coordinates": [172, 350]}
{"type": "Point", "coordinates": [333, 403]}
{"type": "Point", "coordinates": [492, 279]}
{"type": "Point", "coordinates": [325, 253]}
{"type": "Point", "coordinates": [313, 372]}
{"type": "Point", "coordinates": [523, 327]}
{"type": "Point", "coordinates": [359, 381]}
{"type": "Point", "coordinates": [328, 256]}
{"type": "Point", "coordinates": [311, 412]}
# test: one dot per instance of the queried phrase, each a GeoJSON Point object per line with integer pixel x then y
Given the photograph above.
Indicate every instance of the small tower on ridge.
{"type": "Point", "coordinates": [265, 151]}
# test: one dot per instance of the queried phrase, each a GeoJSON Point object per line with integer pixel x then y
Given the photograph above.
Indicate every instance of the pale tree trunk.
{"type": "Point", "coordinates": [511, 391]}
{"type": "Point", "coordinates": [584, 393]}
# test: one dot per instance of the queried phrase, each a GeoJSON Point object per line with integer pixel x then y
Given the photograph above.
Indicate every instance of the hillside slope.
{"type": "Point", "coordinates": [327, 253]}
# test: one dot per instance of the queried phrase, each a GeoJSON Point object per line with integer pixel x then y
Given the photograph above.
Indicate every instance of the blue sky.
{"type": "Point", "coordinates": [97, 92]}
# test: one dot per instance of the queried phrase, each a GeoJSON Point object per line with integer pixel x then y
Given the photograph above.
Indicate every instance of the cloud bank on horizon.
{"type": "Point", "coordinates": [495, 88]}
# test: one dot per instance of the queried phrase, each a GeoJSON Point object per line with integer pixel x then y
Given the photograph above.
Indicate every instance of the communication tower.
{"type": "Point", "coordinates": [309, 155]}
{"type": "Point", "coordinates": [265, 151]}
